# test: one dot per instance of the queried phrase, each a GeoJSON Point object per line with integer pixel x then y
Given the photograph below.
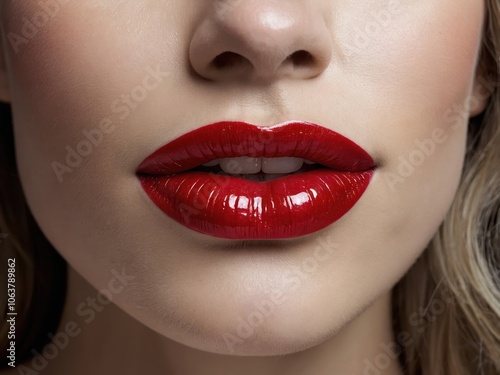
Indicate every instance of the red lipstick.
{"type": "Point", "coordinates": [233, 207]}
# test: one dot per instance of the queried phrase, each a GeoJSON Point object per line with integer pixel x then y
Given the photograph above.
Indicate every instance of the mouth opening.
{"type": "Point", "coordinates": [257, 177]}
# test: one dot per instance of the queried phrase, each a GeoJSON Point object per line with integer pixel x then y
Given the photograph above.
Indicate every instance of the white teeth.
{"type": "Point", "coordinates": [212, 163]}
{"type": "Point", "coordinates": [281, 165]}
{"type": "Point", "coordinates": [242, 165]}
{"type": "Point", "coordinates": [247, 165]}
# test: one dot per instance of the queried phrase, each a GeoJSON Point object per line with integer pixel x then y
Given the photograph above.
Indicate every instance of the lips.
{"type": "Point", "coordinates": [209, 201]}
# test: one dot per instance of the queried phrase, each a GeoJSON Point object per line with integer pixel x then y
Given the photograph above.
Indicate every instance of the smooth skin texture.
{"type": "Point", "coordinates": [387, 74]}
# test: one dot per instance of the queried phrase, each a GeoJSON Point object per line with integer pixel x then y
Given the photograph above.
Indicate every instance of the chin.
{"type": "Point", "coordinates": [245, 325]}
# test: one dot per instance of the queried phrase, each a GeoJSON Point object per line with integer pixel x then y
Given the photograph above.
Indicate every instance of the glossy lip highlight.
{"type": "Point", "coordinates": [236, 208]}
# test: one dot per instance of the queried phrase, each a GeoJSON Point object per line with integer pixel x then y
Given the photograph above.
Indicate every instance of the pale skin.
{"type": "Point", "coordinates": [387, 74]}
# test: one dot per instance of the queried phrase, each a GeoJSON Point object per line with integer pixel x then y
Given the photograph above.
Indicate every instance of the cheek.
{"type": "Point", "coordinates": [412, 57]}
{"type": "Point", "coordinates": [71, 77]}
{"type": "Point", "coordinates": [408, 75]}
{"type": "Point", "coordinates": [424, 75]}
{"type": "Point", "coordinates": [417, 78]}
{"type": "Point", "coordinates": [83, 59]}
{"type": "Point", "coordinates": [67, 78]}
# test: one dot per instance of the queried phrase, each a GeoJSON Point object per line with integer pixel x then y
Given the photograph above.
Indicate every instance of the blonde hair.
{"type": "Point", "coordinates": [449, 302]}
{"type": "Point", "coordinates": [446, 308]}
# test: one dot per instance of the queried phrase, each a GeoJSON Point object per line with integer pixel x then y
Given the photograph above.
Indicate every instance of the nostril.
{"type": "Point", "coordinates": [228, 60]}
{"type": "Point", "coordinates": [301, 59]}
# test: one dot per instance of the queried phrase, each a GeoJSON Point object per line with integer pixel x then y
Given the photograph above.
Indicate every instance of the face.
{"type": "Point", "coordinates": [98, 86]}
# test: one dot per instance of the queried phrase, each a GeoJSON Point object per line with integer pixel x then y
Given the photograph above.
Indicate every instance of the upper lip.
{"type": "Point", "coordinates": [230, 139]}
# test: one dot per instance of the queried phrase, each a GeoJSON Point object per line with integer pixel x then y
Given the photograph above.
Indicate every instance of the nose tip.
{"type": "Point", "coordinates": [261, 39]}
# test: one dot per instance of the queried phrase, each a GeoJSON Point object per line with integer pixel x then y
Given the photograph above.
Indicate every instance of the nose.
{"type": "Point", "coordinates": [261, 40]}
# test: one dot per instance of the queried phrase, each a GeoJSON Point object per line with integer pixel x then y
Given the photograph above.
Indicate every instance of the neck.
{"type": "Point", "coordinates": [114, 342]}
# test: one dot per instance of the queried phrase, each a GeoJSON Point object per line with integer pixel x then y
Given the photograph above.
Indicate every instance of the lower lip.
{"type": "Point", "coordinates": [234, 208]}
